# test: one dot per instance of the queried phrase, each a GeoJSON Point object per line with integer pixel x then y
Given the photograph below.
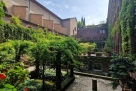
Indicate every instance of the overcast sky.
{"type": "Point", "coordinates": [94, 11]}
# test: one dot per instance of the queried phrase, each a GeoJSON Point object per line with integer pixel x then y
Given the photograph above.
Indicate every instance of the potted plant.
{"type": "Point", "coordinates": [108, 51]}
{"type": "Point", "coordinates": [120, 68]}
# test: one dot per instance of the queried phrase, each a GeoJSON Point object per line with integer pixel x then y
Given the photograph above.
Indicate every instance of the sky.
{"type": "Point", "coordinates": [94, 11]}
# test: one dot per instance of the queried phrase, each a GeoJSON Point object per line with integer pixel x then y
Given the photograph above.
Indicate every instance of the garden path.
{"type": "Point", "coordinates": [83, 83]}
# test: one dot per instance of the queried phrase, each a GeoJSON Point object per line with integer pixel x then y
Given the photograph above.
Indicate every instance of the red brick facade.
{"type": "Point", "coordinates": [113, 13]}
{"type": "Point", "coordinates": [96, 33]}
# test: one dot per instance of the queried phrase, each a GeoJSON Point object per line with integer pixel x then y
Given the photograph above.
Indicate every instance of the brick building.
{"type": "Point", "coordinates": [113, 14]}
{"type": "Point", "coordinates": [113, 11]}
{"type": "Point", "coordinates": [31, 12]}
{"type": "Point", "coordinates": [95, 33]}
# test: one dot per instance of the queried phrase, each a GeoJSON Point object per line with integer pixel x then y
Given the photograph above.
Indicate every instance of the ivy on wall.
{"type": "Point", "coordinates": [128, 22]}
{"type": "Point", "coordinates": [116, 29]}
{"type": "Point", "coordinates": [126, 26]}
{"type": "Point", "coordinates": [15, 32]}
{"type": "Point", "coordinates": [2, 4]}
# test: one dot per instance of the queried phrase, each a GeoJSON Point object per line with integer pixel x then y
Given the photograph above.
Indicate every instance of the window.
{"type": "Point", "coordinates": [103, 31]}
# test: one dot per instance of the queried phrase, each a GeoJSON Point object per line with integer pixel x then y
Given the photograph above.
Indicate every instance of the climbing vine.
{"type": "Point", "coordinates": [128, 22]}
{"type": "Point", "coordinates": [15, 20]}
{"type": "Point", "coordinates": [8, 31]}
{"type": "Point", "coordinates": [116, 28]}
{"type": "Point", "coordinates": [2, 4]}
{"type": "Point", "coordinates": [126, 26]}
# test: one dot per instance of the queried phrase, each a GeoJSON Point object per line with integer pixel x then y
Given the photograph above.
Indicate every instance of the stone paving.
{"type": "Point", "coordinates": [82, 83]}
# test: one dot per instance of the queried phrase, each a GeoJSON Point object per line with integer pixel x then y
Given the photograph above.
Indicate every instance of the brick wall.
{"type": "Point", "coordinates": [63, 30]}
{"type": "Point", "coordinates": [36, 18]}
{"type": "Point", "coordinates": [48, 23]}
{"type": "Point", "coordinates": [57, 27]}
{"type": "Point", "coordinates": [113, 13]}
{"type": "Point", "coordinates": [20, 11]}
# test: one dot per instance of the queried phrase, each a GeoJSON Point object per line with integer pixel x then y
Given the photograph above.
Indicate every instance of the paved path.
{"type": "Point", "coordinates": [82, 83]}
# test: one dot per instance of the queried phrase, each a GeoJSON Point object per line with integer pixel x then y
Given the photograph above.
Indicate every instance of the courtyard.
{"type": "Point", "coordinates": [83, 83]}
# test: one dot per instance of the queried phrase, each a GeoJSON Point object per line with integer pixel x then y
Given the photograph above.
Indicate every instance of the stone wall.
{"type": "Point", "coordinates": [36, 18]}
{"type": "Point", "coordinates": [20, 11]}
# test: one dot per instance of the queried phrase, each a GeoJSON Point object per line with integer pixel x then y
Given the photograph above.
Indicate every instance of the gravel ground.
{"type": "Point", "coordinates": [82, 83]}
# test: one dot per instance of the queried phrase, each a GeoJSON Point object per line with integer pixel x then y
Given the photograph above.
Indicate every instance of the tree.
{"type": "Point", "coordinates": [121, 66]}
{"type": "Point", "coordinates": [15, 49]}
{"type": "Point", "coordinates": [2, 4]}
{"type": "Point", "coordinates": [102, 22]}
{"type": "Point", "coordinates": [84, 21]}
{"type": "Point", "coordinates": [65, 46]}
{"type": "Point", "coordinates": [40, 45]}
{"type": "Point", "coordinates": [37, 51]}
{"type": "Point", "coordinates": [89, 47]}
{"type": "Point", "coordinates": [80, 24]}
{"type": "Point", "coordinates": [10, 53]}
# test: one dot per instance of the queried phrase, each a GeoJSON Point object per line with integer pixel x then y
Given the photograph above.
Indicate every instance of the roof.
{"type": "Point", "coordinates": [70, 18]}
{"type": "Point", "coordinates": [20, 6]}
{"type": "Point", "coordinates": [45, 8]}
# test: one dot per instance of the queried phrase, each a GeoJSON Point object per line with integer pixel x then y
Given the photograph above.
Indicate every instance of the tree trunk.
{"type": "Point", "coordinates": [37, 68]}
{"type": "Point", "coordinates": [58, 71]}
{"type": "Point", "coordinates": [43, 64]}
{"type": "Point", "coordinates": [17, 58]}
{"type": "Point", "coordinates": [18, 55]}
{"type": "Point", "coordinates": [67, 67]}
{"type": "Point", "coordinates": [71, 69]}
